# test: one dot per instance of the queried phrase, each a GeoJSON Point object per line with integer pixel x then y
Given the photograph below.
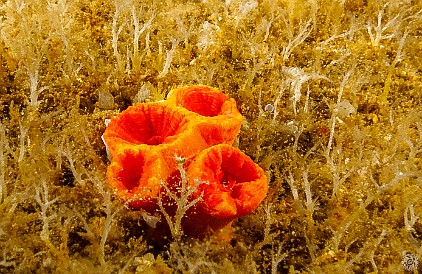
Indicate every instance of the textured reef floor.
{"type": "Point", "coordinates": [331, 96]}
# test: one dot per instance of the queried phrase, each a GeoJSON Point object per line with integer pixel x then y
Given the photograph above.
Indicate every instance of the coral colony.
{"type": "Point", "coordinates": [177, 156]}
{"type": "Point", "coordinates": [330, 96]}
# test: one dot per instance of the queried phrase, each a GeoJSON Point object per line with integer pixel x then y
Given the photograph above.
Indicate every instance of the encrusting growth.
{"type": "Point", "coordinates": [198, 124]}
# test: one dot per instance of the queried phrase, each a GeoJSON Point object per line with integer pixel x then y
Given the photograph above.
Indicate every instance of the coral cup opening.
{"type": "Point", "coordinates": [217, 116]}
{"type": "Point", "coordinates": [133, 176]}
{"type": "Point", "coordinates": [236, 185]}
{"type": "Point", "coordinates": [203, 100]}
{"type": "Point", "coordinates": [151, 124]}
{"type": "Point", "coordinates": [131, 172]}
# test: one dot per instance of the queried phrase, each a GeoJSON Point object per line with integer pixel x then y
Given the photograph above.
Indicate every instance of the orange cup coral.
{"type": "Point", "coordinates": [218, 118]}
{"type": "Point", "coordinates": [158, 126]}
{"type": "Point", "coordinates": [142, 142]}
{"type": "Point", "coordinates": [198, 124]}
{"type": "Point", "coordinates": [234, 186]}
{"type": "Point", "coordinates": [134, 177]}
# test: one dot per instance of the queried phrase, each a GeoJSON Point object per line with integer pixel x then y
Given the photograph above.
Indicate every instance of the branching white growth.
{"type": "Point", "coordinates": [192, 257]}
{"type": "Point", "coordinates": [257, 66]}
{"type": "Point", "coordinates": [335, 110]}
{"type": "Point", "coordinates": [43, 200]}
{"type": "Point", "coordinates": [338, 235]}
{"type": "Point", "coordinates": [110, 215]}
{"type": "Point", "coordinates": [116, 30]}
{"type": "Point", "coordinates": [19, 6]}
{"type": "Point", "coordinates": [291, 182]}
{"type": "Point", "coordinates": [277, 258]}
{"type": "Point", "coordinates": [207, 35]}
{"type": "Point", "coordinates": [23, 129]}
{"type": "Point", "coordinates": [268, 236]}
{"type": "Point", "coordinates": [295, 39]}
{"type": "Point", "coordinates": [183, 201]}
{"type": "Point", "coordinates": [88, 234]}
{"type": "Point", "coordinates": [376, 32]}
{"type": "Point", "coordinates": [266, 25]}
{"type": "Point", "coordinates": [183, 32]}
{"type": "Point", "coordinates": [295, 78]}
{"type": "Point", "coordinates": [391, 67]}
{"type": "Point", "coordinates": [336, 165]}
{"type": "Point", "coordinates": [268, 220]}
{"type": "Point", "coordinates": [310, 205]}
{"type": "Point", "coordinates": [277, 101]}
{"type": "Point", "coordinates": [414, 148]}
{"type": "Point", "coordinates": [127, 15]}
{"type": "Point", "coordinates": [377, 243]}
{"type": "Point", "coordinates": [132, 260]}
{"type": "Point", "coordinates": [306, 106]}
{"type": "Point", "coordinates": [91, 58]}
{"type": "Point", "coordinates": [206, 74]}
{"type": "Point", "coordinates": [410, 218]}
{"type": "Point", "coordinates": [297, 130]}
{"type": "Point", "coordinates": [3, 150]}
{"type": "Point", "coordinates": [397, 178]}
{"type": "Point", "coordinates": [82, 175]}
{"type": "Point", "coordinates": [263, 29]}
{"type": "Point", "coordinates": [276, 253]}
{"type": "Point", "coordinates": [323, 45]}
{"type": "Point", "coordinates": [33, 87]}
{"type": "Point", "coordinates": [138, 30]}
{"type": "Point", "coordinates": [169, 57]}
{"type": "Point", "coordinates": [399, 53]}
{"type": "Point", "coordinates": [306, 210]}
{"type": "Point", "coordinates": [28, 37]}
{"type": "Point", "coordinates": [66, 152]}
{"type": "Point", "coordinates": [368, 249]}
{"type": "Point", "coordinates": [244, 8]}
{"type": "Point", "coordinates": [61, 21]}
